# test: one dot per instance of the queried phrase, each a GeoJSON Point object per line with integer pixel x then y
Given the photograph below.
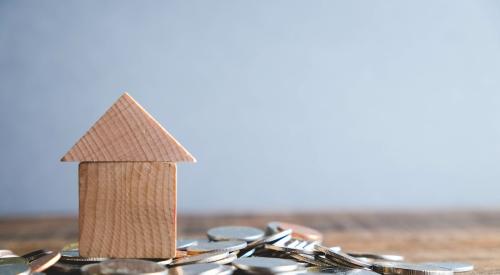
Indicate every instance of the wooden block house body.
{"type": "Point", "coordinates": [127, 185]}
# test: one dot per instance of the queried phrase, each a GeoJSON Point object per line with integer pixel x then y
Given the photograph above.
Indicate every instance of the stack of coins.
{"type": "Point", "coordinates": [282, 248]}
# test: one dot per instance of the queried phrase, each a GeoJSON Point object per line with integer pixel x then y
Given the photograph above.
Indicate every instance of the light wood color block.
{"type": "Point", "coordinates": [127, 132]}
{"type": "Point", "coordinates": [127, 209]}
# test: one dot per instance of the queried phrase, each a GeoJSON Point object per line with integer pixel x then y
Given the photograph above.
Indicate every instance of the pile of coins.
{"type": "Point", "coordinates": [283, 248]}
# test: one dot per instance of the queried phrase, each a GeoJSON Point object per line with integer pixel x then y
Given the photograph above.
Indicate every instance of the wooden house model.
{"type": "Point", "coordinates": [127, 184]}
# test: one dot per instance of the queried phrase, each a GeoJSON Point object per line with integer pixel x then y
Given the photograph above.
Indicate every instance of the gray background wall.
{"type": "Point", "coordinates": [288, 105]}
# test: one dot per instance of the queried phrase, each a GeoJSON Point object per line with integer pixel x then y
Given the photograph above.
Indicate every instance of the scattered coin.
{"type": "Point", "coordinates": [455, 266]}
{"type": "Point", "coordinates": [228, 246]}
{"type": "Point", "coordinates": [14, 269]}
{"type": "Point", "coordinates": [44, 262]}
{"type": "Point", "coordinates": [237, 249]}
{"type": "Point", "coordinates": [244, 233]}
{"type": "Point", "coordinates": [265, 265]}
{"type": "Point", "coordinates": [123, 267]}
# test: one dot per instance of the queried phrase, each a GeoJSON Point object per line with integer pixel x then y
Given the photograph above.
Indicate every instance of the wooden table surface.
{"type": "Point", "coordinates": [472, 236]}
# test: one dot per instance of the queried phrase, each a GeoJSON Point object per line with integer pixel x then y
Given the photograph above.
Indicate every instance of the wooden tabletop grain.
{"type": "Point", "coordinates": [472, 236]}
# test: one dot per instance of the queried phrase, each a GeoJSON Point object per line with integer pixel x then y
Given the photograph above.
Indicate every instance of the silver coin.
{"type": "Point", "coordinates": [124, 266]}
{"type": "Point", "coordinates": [341, 257]}
{"type": "Point", "coordinates": [201, 258]}
{"type": "Point", "coordinates": [409, 269]}
{"type": "Point", "coordinates": [197, 269]}
{"type": "Point", "coordinates": [183, 244]}
{"type": "Point", "coordinates": [265, 265]}
{"type": "Point", "coordinates": [243, 233]}
{"type": "Point", "coordinates": [455, 266]}
{"type": "Point", "coordinates": [229, 246]}
{"type": "Point", "coordinates": [383, 257]}
{"type": "Point", "coordinates": [14, 269]}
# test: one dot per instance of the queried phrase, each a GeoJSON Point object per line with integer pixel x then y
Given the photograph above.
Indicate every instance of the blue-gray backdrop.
{"type": "Point", "coordinates": [287, 105]}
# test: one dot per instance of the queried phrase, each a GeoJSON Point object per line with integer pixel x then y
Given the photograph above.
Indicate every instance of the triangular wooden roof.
{"type": "Point", "coordinates": [126, 132]}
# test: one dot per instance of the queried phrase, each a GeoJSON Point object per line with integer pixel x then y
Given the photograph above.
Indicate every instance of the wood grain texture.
{"type": "Point", "coordinates": [127, 209]}
{"type": "Point", "coordinates": [126, 132]}
{"type": "Point", "coordinates": [471, 236]}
